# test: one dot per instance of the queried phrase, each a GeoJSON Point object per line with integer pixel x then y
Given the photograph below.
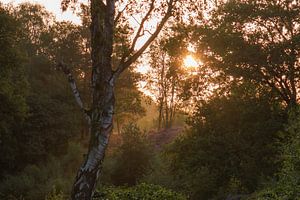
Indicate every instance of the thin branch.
{"type": "Point", "coordinates": [281, 93]}
{"type": "Point", "coordinates": [125, 64]}
{"type": "Point", "coordinates": [74, 88]}
{"type": "Point", "coordinates": [120, 13]}
{"type": "Point", "coordinates": [141, 27]}
{"type": "Point", "coordinates": [146, 30]}
{"type": "Point", "coordinates": [136, 20]}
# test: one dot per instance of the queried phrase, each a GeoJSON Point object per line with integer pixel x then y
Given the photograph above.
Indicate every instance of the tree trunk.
{"type": "Point", "coordinates": [102, 109]}
{"type": "Point", "coordinates": [161, 93]}
{"type": "Point", "coordinates": [118, 125]}
{"type": "Point", "coordinates": [172, 113]}
{"type": "Point", "coordinates": [101, 127]}
{"type": "Point", "coordinates": [160, 111]}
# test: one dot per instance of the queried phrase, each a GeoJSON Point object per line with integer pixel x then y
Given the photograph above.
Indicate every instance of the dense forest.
{"type": "Point", "coordinates": [150, 100]}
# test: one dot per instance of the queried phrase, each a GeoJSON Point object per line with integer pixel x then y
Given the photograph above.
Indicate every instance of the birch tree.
{"type": "Point", "coordinates": [104, 18]}
{"type": "Point", "coordinates": [165, 79]}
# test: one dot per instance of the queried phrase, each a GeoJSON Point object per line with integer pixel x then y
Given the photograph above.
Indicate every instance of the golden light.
{"type": "Point", "coordinates": [189, 61]}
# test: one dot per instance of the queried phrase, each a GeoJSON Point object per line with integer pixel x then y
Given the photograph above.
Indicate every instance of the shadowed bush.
{"type": "Point", "coordinates": [37, 181]}
{"type": "Point", "coordinates": [141, 191]}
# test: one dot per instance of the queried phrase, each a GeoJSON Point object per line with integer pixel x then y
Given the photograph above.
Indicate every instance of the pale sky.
{"type": "Point", "coordinates": [52, 6]}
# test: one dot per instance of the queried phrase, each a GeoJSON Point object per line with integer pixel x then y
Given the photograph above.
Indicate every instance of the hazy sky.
{"type": "Point", "coordinates": [51, 5]}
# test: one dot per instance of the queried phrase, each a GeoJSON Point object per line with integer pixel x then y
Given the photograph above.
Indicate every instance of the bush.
{"type": "Point", "coordinates": [159, 173]}
{"type": "Point", "coordinates": [140, 192]}
{"type": "Point", "coordinates": [36, 181]}
{"type": "Point", "coordinates": [287, 181]}
{"type": "Point", "coordinates": [54, 195]}
{"type": "Point", "coordinates": [133, 157]}
{"type": "Point", "coordinates": [230, 146]}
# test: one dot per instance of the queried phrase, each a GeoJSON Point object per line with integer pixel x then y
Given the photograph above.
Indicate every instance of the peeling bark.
{"type": "Point", "coordinates": [74, 88]}
{"type": "Point", "coordinates": [103, 98]}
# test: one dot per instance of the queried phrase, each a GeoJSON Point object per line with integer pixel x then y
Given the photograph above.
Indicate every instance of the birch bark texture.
{"type": "Point", "coordinates": [100, 114]}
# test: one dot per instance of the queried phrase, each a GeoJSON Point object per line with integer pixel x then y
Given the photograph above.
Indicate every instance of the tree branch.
{"type": "Point", "coordinates": [141, 27]}
{"type": "Point", "coordinates": [120, 13]}
{"type": "Point", "coordinates": [74, 88]}
{"type": "Point", "coordinates": [125, 63]}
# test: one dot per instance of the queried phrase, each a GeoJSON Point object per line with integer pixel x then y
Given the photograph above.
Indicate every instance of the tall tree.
{"type": "Point", "coordinates": [13, 90]}
{"type": "Point", "coordinates": [104, 76]}
{"type": "Point", "coordinates": [227, 137]}
{"type": "Point", "coordinates": [255, 40]}
{"type": "Point", "coordinates": [166, 76]}
{"type": "Point", "coordinates": [128, 99]}
{"type": "Point", "coordinates": [52, 119]}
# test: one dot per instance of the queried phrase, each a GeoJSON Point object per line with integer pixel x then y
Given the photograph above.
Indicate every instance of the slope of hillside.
{"type": "Point", "coordinates": [165, 136]}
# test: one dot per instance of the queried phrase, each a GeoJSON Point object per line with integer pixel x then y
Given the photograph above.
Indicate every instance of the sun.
{"type": "Point", "coordinates": [190, 62]}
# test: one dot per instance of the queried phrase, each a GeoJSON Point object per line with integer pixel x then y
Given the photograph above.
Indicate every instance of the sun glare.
{"type": "Point", "coordinates": [190, 61]}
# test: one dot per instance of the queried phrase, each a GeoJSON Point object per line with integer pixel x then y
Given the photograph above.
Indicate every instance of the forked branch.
{"type": "Point", "coordinates": [141, 26]}
{"type": "Point", "coordinates": [62, 66]}
{"type": "Point", "coordinates": [126, 61]}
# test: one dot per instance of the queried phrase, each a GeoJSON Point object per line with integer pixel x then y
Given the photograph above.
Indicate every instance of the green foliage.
{"type": "Point", "coordinates": [255, 40]}
{"type": "Point", "coordinates": [54, 195]}
{"type": "Point", "coordinates": [53, 118]}
{"type": "Point", "coordinates": [222, 152]}
{"type": "Point", "coordinates": [160, 173]}
{"type": "Point", "coordinates": [38, 115]}
{"type": "Point", "coordinates": [142, 191]}
{"type": "Point", "coordinates": [13, 90]}
{"type": "Point", "coordinates": [134, 155]}
{"type": "Point", "coordinates": [287, 182]}
{"type": "Point", "coordinates": [128, 99]}
{"type": "Point", "coordinates": [35, 20]}
{"type": "Point", "coordinates": [37, 181]}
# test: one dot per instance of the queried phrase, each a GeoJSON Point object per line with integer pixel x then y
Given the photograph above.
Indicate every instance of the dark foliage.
{"type": "Point", "coordinates": [230, 146]}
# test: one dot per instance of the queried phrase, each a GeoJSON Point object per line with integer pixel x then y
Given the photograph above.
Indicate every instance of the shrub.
{"type": "Point", "coordinates": [287, 182]}
{"type": "Point", "coordinates": [37, 181]}
{"type": "Point", "coordinates": [54, 195]}
{"type": "Point", "coordinates": [133, 157]}
{"type": "Point", "coordinates": [230, 147]}
{"type": "Point", "coordinates": [139, 192]}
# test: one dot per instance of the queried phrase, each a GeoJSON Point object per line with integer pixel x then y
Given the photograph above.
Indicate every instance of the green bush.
{"type": "Point", "coordinates": [37, 181]}
{"type": "Point", "coordinates": [54, 195]}
{"type": "Point", "coordinates": [159, 173]}
{"type": "Point", "coordinates": [230, 146]}
{"type": "Point", "coordinates": [139, 192]}
{"type": "Point", "coordinates": [133, 158]}
{"type": "Point", "coordinates": [287, 181]}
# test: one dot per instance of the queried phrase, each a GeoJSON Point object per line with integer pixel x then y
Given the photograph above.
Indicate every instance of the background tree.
{"type": "Point", "coordinates": [255, 40]}
{"type": "Point", "coordinates": [166, 76]}
{"type": "Point", "coordinates": [134, 154]}
{"type": "Point", "coordinates": [13, 91]}
{"type": "Point", "coordinates": [161, 82]}
{"type": "Point", "coordinates": [227, 137]}
{"type": "Point", "coordinates": [128, 99]}
{"type": "Point", "coordinates": [286, 181]}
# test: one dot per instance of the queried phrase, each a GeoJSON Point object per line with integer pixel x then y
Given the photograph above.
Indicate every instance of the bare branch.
{"type": "Point", "coordinates": [74, 88]}
{"type": "Point", "coordinates": [120, 13]}
{"type": "Point", "coordinates": [146, 30]}
{"type": "Point", "coordinates": [141, 27]}
{"type": "Point", "coordinates": [124, 64]}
